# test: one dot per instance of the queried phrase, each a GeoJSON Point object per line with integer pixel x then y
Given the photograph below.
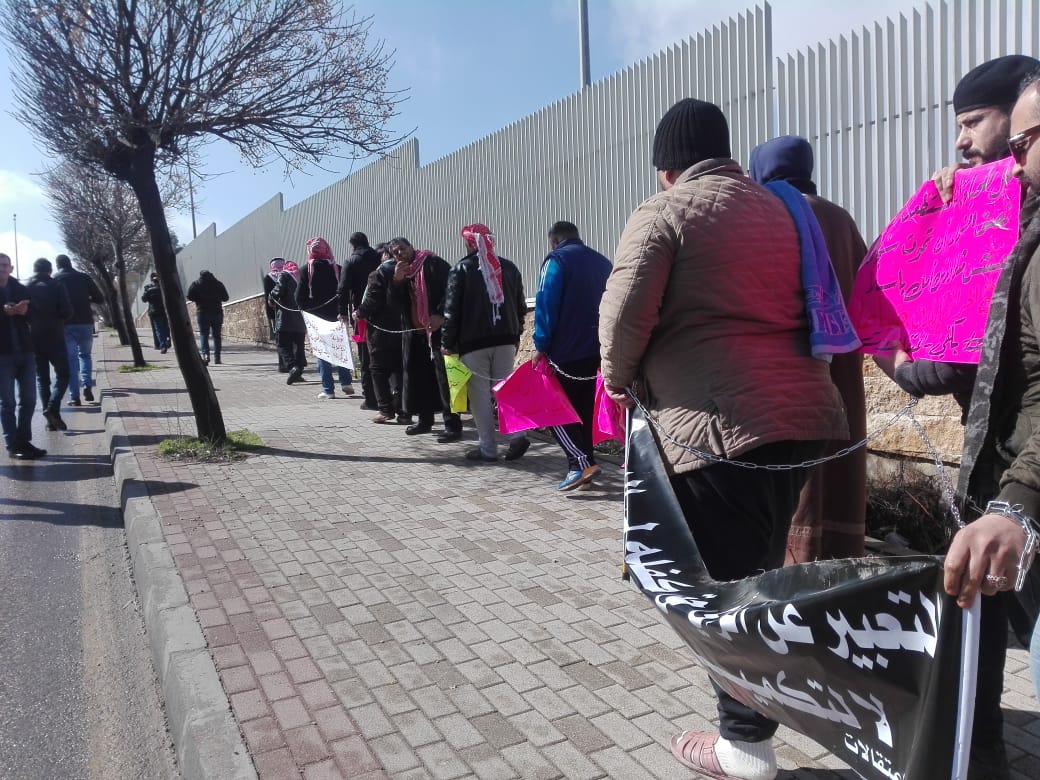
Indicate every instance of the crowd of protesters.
{"type": "Point", "coordinates": [703, 318]}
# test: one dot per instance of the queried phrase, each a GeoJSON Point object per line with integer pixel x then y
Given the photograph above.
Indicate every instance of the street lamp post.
{"type": "Point", "coordinates": [15, 217]}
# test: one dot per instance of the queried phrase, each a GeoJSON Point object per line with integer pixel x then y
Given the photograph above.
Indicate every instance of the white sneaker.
{"type": "Point", "coordinates": [323, 396]}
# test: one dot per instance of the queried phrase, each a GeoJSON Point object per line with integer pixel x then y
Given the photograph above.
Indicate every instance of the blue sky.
{"type": "Point", "coordinates": [469, 67]}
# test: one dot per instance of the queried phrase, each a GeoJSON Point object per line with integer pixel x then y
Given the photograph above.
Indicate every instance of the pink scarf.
{"type": "Point", "coordinates": [319, 249]}
{"type": "Point", "coordinates": [420, 299]}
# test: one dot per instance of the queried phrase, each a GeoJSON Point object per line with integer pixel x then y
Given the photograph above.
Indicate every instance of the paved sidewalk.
{"type": "Point", "coordinates": [375, 606]}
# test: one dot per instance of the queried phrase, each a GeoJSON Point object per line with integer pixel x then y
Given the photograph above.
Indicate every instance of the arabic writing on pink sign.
{"type": "Point", "coordinates": [926, 284]}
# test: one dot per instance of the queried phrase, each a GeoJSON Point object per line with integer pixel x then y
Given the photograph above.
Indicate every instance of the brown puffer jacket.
{"type": "Point", "coordinates": [705, 308]}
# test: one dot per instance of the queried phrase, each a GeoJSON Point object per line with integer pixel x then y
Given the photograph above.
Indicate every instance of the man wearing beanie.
{"type": "Point", "coordinates": [704, 316]}
{"type": "Point", "coordinates": [79, 329]}
{"type": "Point", "coordinates": [982, 102]}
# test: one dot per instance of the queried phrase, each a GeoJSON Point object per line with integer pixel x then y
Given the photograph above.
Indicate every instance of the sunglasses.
{"type": "Point", "coordinates": [1020, 142]}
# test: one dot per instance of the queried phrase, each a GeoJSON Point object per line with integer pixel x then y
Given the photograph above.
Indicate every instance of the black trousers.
{"type": "Point", "coordinates": [50, 354]}
{"type": "Point", "coordinates": [739, 518]}
{"type": "Point", "coordinates": [576, 438]}
{"type": "Point", "coordinates": [385, 366]}
{"type": "Point", "coordinates": [367, 388]}
{"type": "Point", "coordinates": [291, 351]}
{"type": "Point", "coordinates": [426, 389]}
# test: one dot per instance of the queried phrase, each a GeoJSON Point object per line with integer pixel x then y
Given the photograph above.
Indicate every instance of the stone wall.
{"type": "Point", "coordinates": [245, 321]}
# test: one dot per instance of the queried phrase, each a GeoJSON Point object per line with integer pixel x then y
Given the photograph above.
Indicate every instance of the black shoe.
{"type": "Point", "coordinates": [476, 454]}
{"type": "Point", "coordinates": [163, 350]}
{"type": "Point", "coordinates": [404, 419]}
{"type": "Point", "coordinates": [88, 395]}
{"type": "Point", "coordinates": [294, 375]}
{"type": "Point", "coordinates": [448, 436]}
{"type": "Point", "coordinates": [517, 448]}
{"type": "Point", "coordinates": [54, 421]}
{"type": "Point", "coordinates": [26, 451]}
{"type": "Point", "coordinates": [217, 361]}
{"type": "Point", "coordinates": [74, 401]}
{"type": "Point", "coordinates": [413, 430]}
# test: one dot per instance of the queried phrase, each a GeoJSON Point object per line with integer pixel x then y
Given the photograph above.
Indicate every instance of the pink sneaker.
{"type": "Point", "coordinates": [696, 750]}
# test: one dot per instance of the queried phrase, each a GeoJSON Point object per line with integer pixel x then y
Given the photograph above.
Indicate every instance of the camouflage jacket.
{"type": "Point", "coordinates": [1001, 455]}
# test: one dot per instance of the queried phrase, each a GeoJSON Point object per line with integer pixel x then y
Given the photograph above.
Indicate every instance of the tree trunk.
{"type": "Point", "coordinates": [128, 312]}
{"type": "Point", "coordinates": [208, 418]}
{"type": "Point", "coordinates": [115, 311]}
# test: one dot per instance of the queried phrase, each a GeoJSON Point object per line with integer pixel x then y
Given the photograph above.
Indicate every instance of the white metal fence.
{"type": "Point", "coordinates": [875, 104]}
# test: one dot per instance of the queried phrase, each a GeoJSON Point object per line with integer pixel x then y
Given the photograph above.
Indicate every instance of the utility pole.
{"type": "Point", "coordinates": [15, 216]}
{"type": "Point", "coordinates": [583, 41]}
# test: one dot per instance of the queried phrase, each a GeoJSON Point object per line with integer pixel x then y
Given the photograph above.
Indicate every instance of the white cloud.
{"type": "Point", "coordinates": [641, 29]}
{"type": "Point", "coordinates": [16, 189]}
{"type": "Point", "coordinates": [28, 250]}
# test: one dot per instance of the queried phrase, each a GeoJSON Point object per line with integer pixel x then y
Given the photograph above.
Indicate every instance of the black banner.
{"type": "Point", "coordinates": [863, 655]}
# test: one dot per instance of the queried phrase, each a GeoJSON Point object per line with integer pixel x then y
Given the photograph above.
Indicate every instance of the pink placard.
{"type": "Point", "coordinates": [531, 397]}
{"type": "Point", "coordinates": [608, 418]}
{"type": "Point", "coordinates": [927, 281]}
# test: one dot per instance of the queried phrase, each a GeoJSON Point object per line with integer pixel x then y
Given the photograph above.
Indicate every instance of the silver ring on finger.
{"type": "Point", "coordinates": [1000, 582]}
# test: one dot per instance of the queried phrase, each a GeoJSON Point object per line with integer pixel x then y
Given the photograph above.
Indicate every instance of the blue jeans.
{"type": "Point", "coordinates": [160, 330]}
{"type": "Point", "coordinates": [325, 373]}
{"type": "Point", "coordinates": [209, 324]}
{"type": "Point", "coordinates": [17, 374]}
{"type": "Point", "coordinates": [79, 341]}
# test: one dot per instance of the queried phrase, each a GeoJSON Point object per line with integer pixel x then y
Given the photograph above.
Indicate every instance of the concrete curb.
{"type": "Point", "coordinates": [206, 737]}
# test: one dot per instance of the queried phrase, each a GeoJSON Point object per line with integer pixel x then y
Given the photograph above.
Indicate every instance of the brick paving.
{"type": "Point", "coordinates": [376, 606]}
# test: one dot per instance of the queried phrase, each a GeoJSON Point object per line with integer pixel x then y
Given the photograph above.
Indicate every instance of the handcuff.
{"type": "Point", "coordinates": [1029, 528]}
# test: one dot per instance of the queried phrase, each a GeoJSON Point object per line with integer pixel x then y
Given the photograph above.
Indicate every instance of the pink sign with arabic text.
{"type": "Point", "coordinates": [926, 283]}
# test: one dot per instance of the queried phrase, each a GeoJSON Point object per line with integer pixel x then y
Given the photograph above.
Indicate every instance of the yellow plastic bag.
{"type": "Point", "coordinates": [458, 378]}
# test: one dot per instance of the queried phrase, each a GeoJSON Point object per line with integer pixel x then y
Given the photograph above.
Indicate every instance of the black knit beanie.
{"type": "Point", "coordinates": [692, 130]}
{"type": "Point", "coordinates": [993, 83]}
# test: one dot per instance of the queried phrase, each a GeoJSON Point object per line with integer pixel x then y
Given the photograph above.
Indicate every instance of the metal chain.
{"type": "Point", "coordinates": [563, 373]}
{"type": "Point", "coordinates": [712, 457]}
{"type": "Point", "coordinates": [287, 308]}
{"type": "Point", "coordinates": [945, 484]}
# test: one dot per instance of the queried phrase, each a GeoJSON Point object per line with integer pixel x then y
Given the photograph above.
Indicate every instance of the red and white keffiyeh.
{"type": "Point", "coordinates": [481, 237]}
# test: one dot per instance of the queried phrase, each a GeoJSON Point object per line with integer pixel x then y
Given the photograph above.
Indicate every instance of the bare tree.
{"type": "Point", "coordinates": [101, 222]}
{"type": "Point", "coordinates": [127, 84]}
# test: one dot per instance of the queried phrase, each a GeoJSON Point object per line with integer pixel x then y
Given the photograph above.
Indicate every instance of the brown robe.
{"type": "Point", "coordinates": [830, 521]}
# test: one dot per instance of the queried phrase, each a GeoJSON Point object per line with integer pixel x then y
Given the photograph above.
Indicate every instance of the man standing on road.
{"type": "Point", "coordinates": [1000, 464]}
{"type": "Point", "coordinates": [268, 283]}
{"type": "Point", "coordinates": [566, 313]}
{"type": "Point", "coordinates": [484, 311]}
{"type": "Point", "coordinates": [418, 285]}
{"type": "Point", "coordinates": [152, 295]}
{"type": "Point", "coordinates": [704, 316]}
{"type": "Point", "coordinates": [830, 521]}
{"type": "Point", "coordinates": [49, 309]}
{"type": "Point", "coordinates": [384, 341]}
{"type": "Point", "coordinates": [363, 260]}
{"type": "Point", "coordinates": [982, 101]}
{"type": "Point", "coordinates": [79, 329]}
{"type": "Point", "coordinates": [17, 367]}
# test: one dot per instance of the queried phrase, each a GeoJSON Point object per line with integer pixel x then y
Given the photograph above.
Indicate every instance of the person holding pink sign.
{"type": "Point", "coordinates": [570, 285]}
{"type": "Point", "coordinates": [983, 102]}
{"type": "Point", "coordinates": [1000, 464]}
{"type": "Point", "coordinates": [484, 310]}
